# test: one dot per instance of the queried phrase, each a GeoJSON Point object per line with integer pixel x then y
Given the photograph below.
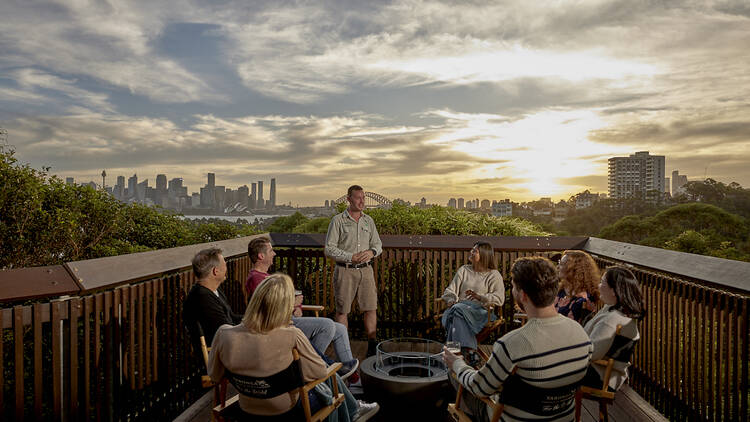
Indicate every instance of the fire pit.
{"type": "Point", "coordinates": [406, 370]}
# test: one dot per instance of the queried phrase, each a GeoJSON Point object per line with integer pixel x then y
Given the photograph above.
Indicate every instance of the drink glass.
{"type": "Point", "coordinates": [453, 347]}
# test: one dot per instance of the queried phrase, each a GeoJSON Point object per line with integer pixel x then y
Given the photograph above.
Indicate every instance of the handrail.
{"type": "Point", "coordinates": [448, 242]}
{"type": "Point", "coordinates": [90, 275]}
{"type": "Point", "coordinates": [725, 273]}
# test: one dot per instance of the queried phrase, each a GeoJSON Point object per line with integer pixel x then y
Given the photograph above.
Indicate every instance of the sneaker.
{"type": "Point", "coordinates": [366, 411]}
{"type": "Point", "coordinates": [348, 368]}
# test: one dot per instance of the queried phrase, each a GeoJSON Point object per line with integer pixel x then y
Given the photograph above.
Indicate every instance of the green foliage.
{"type": "Point", "coordinates": [732, 197]}
{"type": "Point", "coordinates": [695, 228]}
{"type": "Point", "coordinates": [315, 225]}
{"type": "Point", "coordinates": [288, 223]}
{"type": "Point", "coordinates": [401, 219]}
{"type": "Point", "coordinates": [45, 221]}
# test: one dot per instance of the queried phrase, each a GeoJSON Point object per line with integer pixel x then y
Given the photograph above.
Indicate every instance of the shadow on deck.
{"type": "Point", "coordinates": [628, 406]}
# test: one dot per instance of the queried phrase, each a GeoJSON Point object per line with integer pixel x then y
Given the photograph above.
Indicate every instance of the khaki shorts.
{"type": "Point", "coordinates": [351, 282]}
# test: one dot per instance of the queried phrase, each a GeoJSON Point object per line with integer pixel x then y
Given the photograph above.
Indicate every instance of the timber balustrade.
{"type": "Point", "coordinates": [103, 339]}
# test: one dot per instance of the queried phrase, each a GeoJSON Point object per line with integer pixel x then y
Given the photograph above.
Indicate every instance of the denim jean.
{"type": "Point", "coordinates": [322, 331]}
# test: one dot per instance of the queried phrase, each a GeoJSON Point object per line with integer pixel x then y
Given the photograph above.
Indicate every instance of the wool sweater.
{"type": "Point", "coordinates": [488, 284]}
{"type": "Point", "coordinates": [546, 353]}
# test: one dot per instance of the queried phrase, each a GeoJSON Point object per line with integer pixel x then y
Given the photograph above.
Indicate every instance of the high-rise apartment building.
{"type": "Point", "coordinates": [272, 194]}
{"type": "Point", "coordinates": [211, 180]}
{"type": "Point", "coordinates": [640, 174]}
{"type": "Point", "coordinates": [460, 203]}
{"type": "Point", "coordinates": [452, 203]}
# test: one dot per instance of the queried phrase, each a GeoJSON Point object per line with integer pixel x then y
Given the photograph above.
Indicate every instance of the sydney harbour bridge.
{"type": "Point", "coordinates": [372, 200]}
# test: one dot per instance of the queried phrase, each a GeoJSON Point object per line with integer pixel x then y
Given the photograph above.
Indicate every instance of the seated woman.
{"type": "Point", "coordinates": [578, 293]}
{"type": "Point", "coordinates": [474, 286]}
{"type": "Point", "coordinates": [623, 306]}
{"type": "Point", "coordinates": [261, 345]}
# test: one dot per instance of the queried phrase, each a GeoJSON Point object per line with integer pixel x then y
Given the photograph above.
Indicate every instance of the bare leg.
{"type": "Point", "coordinates": [343, 319]}
{"type": "Point", "coordinates": [371, 322]}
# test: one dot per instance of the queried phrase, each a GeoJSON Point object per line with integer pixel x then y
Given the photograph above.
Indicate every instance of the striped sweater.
{"type": "Point", "coordinates": [545, 353]}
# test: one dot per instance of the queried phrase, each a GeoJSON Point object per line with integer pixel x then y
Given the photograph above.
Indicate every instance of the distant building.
{"type": "Point", "coordinates": [502, 208]}
{"type": "Point", "coordinates": [585, 199]}
{"type": "Point", "coordinates": [211, 182]}
{"type": "Point", "coordinates": [119, 190]}
{"type": "Point", "coordinates": [132, 182]}
{"type": "Point", "coordinates": [272, 194]}
{"type": "Point", "coordinates": [485, 204]}
{"type": "Point", "coordinates": [460, 203]}
{"type": "Point", "coordinates": [452, 203]}
{"type": "Point", "coordinates": [70, 181]}
{"type": "Point", "coordinates": [678, 181]}
{"type": "Point", "coordinates": [667, 186]}
{"type": "Point", "coordinates": [640, 174]}
{"type": "Point", "coordinates": [253, 196]}
{"type": "Point", "coordinates": [259, 203]}
{"type": "Point", "coordinates": [243, 195]}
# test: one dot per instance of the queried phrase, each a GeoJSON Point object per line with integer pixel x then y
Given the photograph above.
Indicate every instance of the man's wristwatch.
{"type": "Point", "coordinates": [374, 252]}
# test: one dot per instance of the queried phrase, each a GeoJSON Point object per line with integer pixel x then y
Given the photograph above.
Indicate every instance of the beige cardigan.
{"type": "Point", "coordinates": [237, 349]}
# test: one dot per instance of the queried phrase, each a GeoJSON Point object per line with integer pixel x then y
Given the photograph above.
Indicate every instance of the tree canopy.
{"type": "Point", "coordinates": [45, 221]}
{"type": "Point", "coordinates": [402, 219]}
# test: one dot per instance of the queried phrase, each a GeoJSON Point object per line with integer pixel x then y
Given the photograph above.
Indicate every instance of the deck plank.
{"type": "Point", "coordinates": [628, 405]}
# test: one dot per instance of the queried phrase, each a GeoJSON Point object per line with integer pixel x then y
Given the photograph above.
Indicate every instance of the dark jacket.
{"type": "Point", "coordinates": [211, 311]}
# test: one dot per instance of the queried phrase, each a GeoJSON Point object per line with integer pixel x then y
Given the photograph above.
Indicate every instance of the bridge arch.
{"type": "Point", "coordinates": [372, 200]}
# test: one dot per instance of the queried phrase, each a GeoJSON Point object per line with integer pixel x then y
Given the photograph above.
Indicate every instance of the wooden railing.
{"type": "Point", "coordinates": [114, 348]}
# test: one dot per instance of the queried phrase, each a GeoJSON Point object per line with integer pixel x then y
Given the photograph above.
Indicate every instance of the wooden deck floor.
{"type": "Point", "coordinates": [628, 405]}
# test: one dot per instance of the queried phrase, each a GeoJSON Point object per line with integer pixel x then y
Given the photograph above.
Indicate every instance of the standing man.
{"type": "Point", "coordinates": [353, 241]}
{"type": "Point", "coordinates": [205, 303]}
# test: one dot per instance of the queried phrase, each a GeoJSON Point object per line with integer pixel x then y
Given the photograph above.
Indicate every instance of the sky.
{"type": "Point", "coordinates": [507, 99]}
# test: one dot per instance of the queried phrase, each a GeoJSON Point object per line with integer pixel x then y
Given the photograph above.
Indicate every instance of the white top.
{"type": "Point", "coordinates": [488, 284]}
{"type": "Point", "coordinates": [601, 329]}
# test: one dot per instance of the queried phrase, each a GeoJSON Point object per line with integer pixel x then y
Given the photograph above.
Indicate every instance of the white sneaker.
{"type": "Point", "coordinates": [366, 411]}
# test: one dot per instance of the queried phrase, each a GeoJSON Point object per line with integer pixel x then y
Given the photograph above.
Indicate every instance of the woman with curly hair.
{"type": "Point", "coordinates": [579, 291]}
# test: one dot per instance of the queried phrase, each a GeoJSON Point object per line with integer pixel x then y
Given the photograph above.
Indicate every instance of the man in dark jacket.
{"type": "Point", "coordinates": [205, 304]}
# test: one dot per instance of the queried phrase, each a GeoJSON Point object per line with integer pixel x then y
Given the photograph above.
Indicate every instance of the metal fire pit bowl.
{"type": "Point", "coordinates": [405, 369]}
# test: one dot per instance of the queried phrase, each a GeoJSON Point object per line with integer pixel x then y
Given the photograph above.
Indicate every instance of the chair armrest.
{"type": "Point", "coordinates": [602, 362]}
{"type": "Point", "coordinates": [316, 308]}
{"type": "Point", "coordinates": [331, 372]}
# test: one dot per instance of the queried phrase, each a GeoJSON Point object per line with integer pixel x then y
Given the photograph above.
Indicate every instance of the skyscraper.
{"type": "Point", "coordinates": [161, 182]}
{"type": "Point", "coordinates": [119, 191]}
{"type": "Point", "coordinates": [452, 203]}
{"type": "Point", "coordinates": [272, 194]}
{"type": "Point", "coordinates": [639, 174]}
{"type": "Point", "coordinates": [460, 203]}
{"type": "Point", "coordinates": [259, 202]}
{"type": "Point", "coordinates": [132, 183]}
{"type": "Point", "coordinates": [251, 203]}
{"type": "Point", "coordinates": [211, 180]}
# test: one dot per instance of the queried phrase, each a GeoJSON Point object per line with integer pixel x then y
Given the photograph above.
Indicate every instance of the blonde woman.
{"type": "Point", "coordinates": [261, 345]}
{"type": "Point", "coordinates": [579, 291]}
{"type": "Point", "coordinates": [474, 286]}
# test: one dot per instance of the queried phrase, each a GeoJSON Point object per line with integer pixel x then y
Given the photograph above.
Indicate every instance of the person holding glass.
{"type": "Point", "coordinates": [474, 286]}
{"type": "Point", "coordinates": [623, 305]}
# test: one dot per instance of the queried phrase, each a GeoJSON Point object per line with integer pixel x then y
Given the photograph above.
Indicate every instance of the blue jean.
{"type": "Point", "coordinates": [323, 331]}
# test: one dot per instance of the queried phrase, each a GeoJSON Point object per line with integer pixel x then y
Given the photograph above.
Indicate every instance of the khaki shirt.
{"type": "Point", "coordinates": [346, 237]}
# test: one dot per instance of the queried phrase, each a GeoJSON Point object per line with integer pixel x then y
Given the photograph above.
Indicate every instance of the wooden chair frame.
{"type": "Point", "coordinates": [322, 413]}
{"type": "Point", "coordinates": [455, 408]}
{"type": "Point", "coordinates": [602, 395]}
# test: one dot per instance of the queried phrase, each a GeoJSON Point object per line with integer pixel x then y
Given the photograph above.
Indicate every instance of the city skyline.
{"type": "Point", "coordinates": [513, 99]}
